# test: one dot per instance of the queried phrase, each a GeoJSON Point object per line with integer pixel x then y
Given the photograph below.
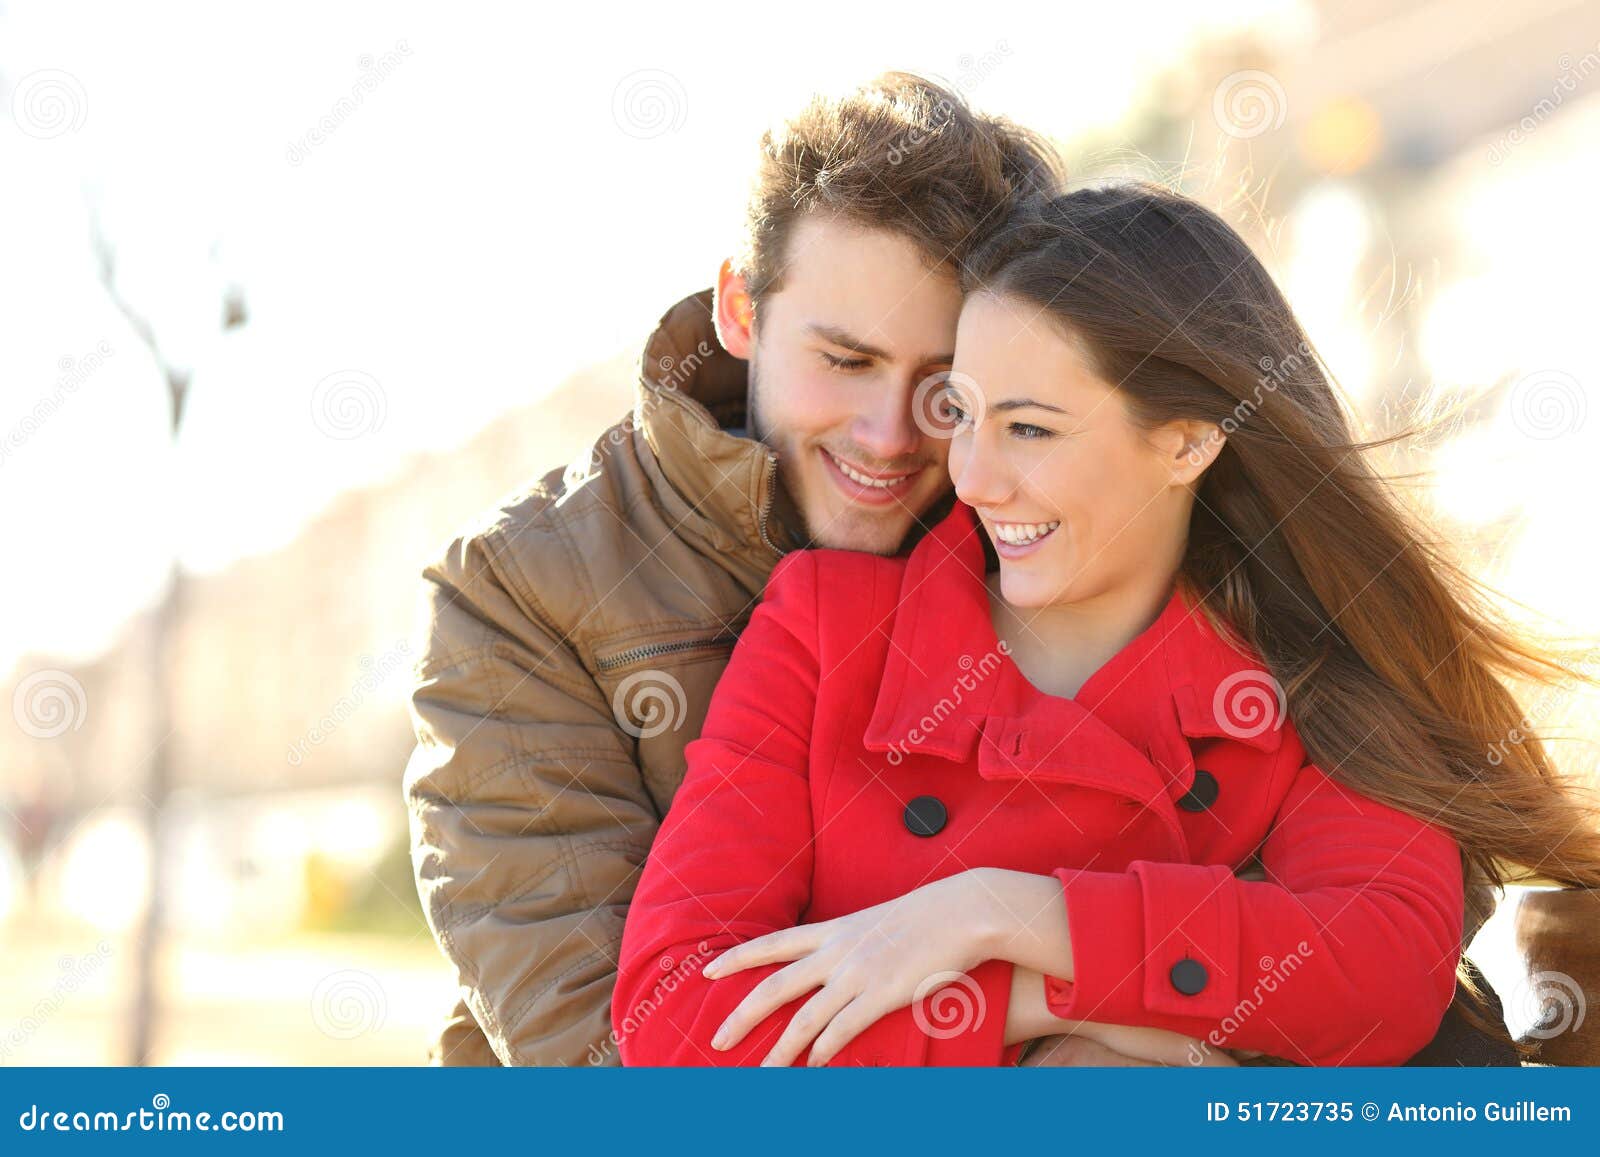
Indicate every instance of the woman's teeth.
{"type": "Point", "coordinates": [1022, 533]}
{"type": "Point", "coordinates": [865, 480]}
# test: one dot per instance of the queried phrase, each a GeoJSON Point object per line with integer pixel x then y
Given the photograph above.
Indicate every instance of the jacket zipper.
{"type": "Point", "coordinates": [766, 507]}
{"type": "Point", "coordinates": [653, 650]}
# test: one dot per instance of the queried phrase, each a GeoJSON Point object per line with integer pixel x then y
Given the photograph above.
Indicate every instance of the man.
{"type": "Point", "coordinates": [575, 637]}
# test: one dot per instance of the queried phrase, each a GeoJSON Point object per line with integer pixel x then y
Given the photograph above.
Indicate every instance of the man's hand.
{"type": "Point", "coordinates": [1072, 1051]}
{"type": "Point", "coordinates": [1078, 1052]}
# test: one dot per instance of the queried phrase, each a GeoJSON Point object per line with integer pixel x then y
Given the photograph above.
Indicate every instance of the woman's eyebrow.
{"type": "Point", "coordinates": [1024, 403]}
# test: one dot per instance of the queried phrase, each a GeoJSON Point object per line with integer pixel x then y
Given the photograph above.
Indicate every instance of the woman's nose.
{"type": "Point", "coordinates": [979, 479]}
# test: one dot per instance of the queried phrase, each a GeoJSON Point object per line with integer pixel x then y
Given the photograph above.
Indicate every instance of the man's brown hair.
{"type": "Point", "coordinates": [901, 153]}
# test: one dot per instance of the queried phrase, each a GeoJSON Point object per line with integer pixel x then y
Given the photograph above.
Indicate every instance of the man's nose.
{"type": "Point", "coordinates": [887, 428]}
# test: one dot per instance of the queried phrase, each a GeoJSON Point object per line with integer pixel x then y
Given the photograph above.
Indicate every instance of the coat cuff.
{"type": "Point", "coordinates": [1157, 940]}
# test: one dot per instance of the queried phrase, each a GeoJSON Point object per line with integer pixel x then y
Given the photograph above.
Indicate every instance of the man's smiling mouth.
{"type": "Point", "coordinates": [867, 486]}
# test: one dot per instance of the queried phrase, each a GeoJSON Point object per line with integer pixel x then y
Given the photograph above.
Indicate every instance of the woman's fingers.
{"type": "Point", "coordinates": [763, 1000]}
{"type": "Point", "coordinates": [848, 1023]}
{"type": "Point", "coordinates": [774, 947]}
{"type": "Point", "coordinates": [809, 1019]}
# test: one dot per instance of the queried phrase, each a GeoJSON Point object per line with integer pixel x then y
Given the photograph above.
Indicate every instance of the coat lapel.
{"type": "Point", "coordinates": [951, 690]}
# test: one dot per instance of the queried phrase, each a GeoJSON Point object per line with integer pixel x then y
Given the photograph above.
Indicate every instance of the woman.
{"type": "Point", "coordinates": [946, 804]}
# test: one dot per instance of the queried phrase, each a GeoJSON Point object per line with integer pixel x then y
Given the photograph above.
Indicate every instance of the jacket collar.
{"type": "Point", "coordinates": [1127, 730]}
{"type": "Point", "coordinates": [690, 391]}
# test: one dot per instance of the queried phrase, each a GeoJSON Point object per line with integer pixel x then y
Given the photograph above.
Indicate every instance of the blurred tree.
{"type": "Point", "coordinates": [177, 372]}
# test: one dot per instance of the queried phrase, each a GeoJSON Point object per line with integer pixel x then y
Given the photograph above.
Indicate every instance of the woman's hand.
{"type": "Point", "coordinates": [866, 965]}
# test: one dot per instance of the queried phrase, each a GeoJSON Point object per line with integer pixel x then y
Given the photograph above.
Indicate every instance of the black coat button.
{"type": "Point", "coordinates": [925, 816]}
{"type": "Point", "coordinates": [1188, 976]}
{"type": "Point", "coordinates": [1202, 794]}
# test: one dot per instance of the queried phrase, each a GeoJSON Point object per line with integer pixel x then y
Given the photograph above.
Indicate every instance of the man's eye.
{"type": "Point", "coordinates": [846, 363]}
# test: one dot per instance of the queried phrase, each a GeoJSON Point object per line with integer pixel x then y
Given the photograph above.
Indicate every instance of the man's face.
{"type": "Point", "coordinates": [858, 322]}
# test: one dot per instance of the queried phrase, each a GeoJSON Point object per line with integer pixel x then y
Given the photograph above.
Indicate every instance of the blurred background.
{"type": "Point", "coordinates": [289, 292]}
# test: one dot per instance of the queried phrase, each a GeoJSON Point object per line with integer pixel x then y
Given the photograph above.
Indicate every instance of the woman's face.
{"type": "Point", "coordinates": [1080, 503]}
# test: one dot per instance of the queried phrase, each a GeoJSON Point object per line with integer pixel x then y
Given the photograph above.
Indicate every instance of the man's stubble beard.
{"type": "Point", "coordinates": [875, 536]}
{"type": "Point", "coordinates": [784, 502]}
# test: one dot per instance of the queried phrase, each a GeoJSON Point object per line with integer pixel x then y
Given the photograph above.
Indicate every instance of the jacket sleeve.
{"type": "Point", "coordinates": [1344, 955]}
{"type": "Point", "coordinates": [529, 817]}
{"type": "Point", "coordinates": [733, 861]}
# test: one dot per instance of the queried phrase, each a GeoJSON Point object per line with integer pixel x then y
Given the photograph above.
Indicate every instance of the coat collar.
{"type": "Point", "coordinates": [1128, 728]}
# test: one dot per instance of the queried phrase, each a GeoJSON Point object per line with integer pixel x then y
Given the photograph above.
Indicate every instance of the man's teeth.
{"type": "Point", "coordinates": [1021, 533]}
{"type": "Point", "coordinates": [857, 476]}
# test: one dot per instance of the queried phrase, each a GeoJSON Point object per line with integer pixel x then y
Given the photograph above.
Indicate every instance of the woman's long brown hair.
{"type": "Point", "coordinates": [1395, 662]}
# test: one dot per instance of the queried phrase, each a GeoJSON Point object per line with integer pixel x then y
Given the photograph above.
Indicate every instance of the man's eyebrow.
{"type": "Point", "coordinates": [1024, 403]}
{"type": "Point", "coordinates": [846, 340]}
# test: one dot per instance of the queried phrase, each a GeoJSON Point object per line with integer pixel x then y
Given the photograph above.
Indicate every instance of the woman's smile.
{"type": "Point", "coordinates": [1014, 540]}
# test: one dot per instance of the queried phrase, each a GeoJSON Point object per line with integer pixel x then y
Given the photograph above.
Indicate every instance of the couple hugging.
{"type": "Point", "coordinates": [984, 643]}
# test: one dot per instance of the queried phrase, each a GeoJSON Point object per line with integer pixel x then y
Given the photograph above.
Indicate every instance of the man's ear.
{"type": "Point", "coordinates": [733, 312]}
{"type": "Point", "coordinates": [1190, 446]}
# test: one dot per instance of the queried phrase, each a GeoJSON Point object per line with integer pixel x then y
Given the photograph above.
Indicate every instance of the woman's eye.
{"type": "Point", "coordinates": [845, 363]}
{"type": "Point", "coordinates": [1025, 430]}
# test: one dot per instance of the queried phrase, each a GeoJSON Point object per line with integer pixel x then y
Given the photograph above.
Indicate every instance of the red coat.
{"type": "Point", "coordinates": [868, 697]}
